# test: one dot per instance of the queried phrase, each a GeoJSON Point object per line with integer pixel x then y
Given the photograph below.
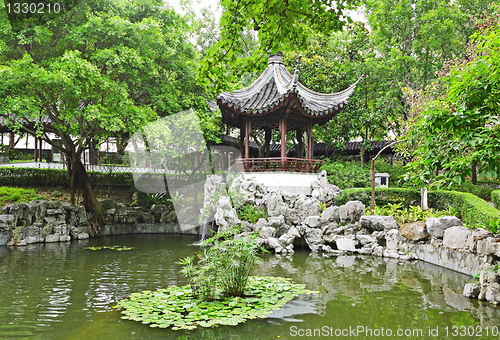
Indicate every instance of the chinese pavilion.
{"type": "Point", "coordinates": [277, 101]}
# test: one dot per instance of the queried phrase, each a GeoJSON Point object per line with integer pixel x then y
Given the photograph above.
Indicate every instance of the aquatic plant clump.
{"type": "Point", "coordinates": [117, 248]}
{"type": "Point", "coordinates": [178, 306]}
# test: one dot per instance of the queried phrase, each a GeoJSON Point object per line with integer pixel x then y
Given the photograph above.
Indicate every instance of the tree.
{"type": "Point", "coordinates": [460, 121]}
{"type": "Point", "coordinates": [104, 69]}
{"type": "Point", "coordinates": [279, 25]}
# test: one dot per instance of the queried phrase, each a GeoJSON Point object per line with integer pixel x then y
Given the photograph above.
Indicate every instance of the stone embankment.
{"type": "Point", "coordinates": [301, 221]}
{"type": "Point", "coordinates": [52, 221]}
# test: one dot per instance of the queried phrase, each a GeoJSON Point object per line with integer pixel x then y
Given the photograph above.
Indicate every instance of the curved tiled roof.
{"type": "Point", "coordinates": [276, 85]}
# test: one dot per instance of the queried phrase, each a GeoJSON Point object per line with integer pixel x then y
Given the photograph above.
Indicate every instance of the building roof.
{"type": "Point", "coordinates": [277, 88]}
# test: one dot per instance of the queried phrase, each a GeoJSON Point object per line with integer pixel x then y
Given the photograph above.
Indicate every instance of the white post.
{"type": "Point", "coordinates": [423, 200]}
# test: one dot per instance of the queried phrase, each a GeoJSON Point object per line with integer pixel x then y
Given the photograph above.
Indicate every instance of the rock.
{"type": "Point", "coordinates": [436, 226]}
{"type": "Point", "coordinates": [267, 232]}
{"type": "Point", "coordinates": [492, 245]}
{"type": "Point", "coordinates": [378, 251]}
{"type": "Point", "coordinates": [274, 203]}
{"type": "Point", "coordinates": [392, 237]}
{"type": "Point", "coordinates": [492, 293]}
{"type": "Point", "coordinates": [312, 236]}
{"type": "Point", "coordinates": [157, 209]}
{"type": "Point", "coordinates": [4, 237]}
{"type": "Point", "coordinates": [414, 231]}
{"type": "Point", "coordinates": [83, 236]}
{"type": "Point", "coordinates": [312, 221]}
{"type": "Point", "coordinates": [273, 243]}
{"type": "Point", "coordinates": [331, 214]}
{"type": "Point", "coordinates": [477, 235]}
{"type": "Point", "coordinates": [320, 187]}
{"type": "Point", "coordinates": [225, 215]}
{"type": "Point", "coordinates": [366, 240]}
{"type": "Point", "coordinates": [52, 238]}
{"type": "Point", "coordinates": [278, 222]}
{"type": "Point", "coordinates": [262, 223]}
{"type": "Point", "coordinates": [346, 244]}
{"type": "Point", "coordinates": [107, 203]}
{"type": "Point", "coordinates": [392, 254]}
{"type": "Point", "coordinates": [330, 231]}
{"type": "Point", "coordinates": [456, 237]}
{"type": "Point", "coordinates": [168, 217]}
{"type": "Point", "coordinates": [351, 212]}
{"type": "Point", "coordinates": [7, 219]}
{"type": "Point", "coordinates": [378, 223]}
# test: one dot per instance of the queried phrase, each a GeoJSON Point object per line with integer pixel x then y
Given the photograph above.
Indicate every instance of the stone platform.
{"type": "Point", "coordinates": [288, 182]}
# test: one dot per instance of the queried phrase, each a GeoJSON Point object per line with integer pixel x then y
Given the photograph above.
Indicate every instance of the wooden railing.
{"type": "Point", "coordinates": [279, 164]}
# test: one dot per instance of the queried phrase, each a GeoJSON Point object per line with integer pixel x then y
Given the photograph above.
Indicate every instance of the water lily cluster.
{"type": "Point", "coordinates": [180, 308]}
{"type": "Point", "coordinates": [117, 248]}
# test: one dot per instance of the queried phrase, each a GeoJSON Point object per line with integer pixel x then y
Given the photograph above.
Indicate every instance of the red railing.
{"type": "Point", "coordinates": [279, 164]}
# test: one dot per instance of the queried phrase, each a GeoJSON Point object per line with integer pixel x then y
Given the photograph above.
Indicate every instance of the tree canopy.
{"type": "Point", "coordinates": [103, 69]}
{"type": "Point", "coordinates": [459, 122]}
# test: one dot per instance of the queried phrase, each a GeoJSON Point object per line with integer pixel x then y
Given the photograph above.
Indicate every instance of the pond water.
{"type": "Point", "coordinates": [62, 291]}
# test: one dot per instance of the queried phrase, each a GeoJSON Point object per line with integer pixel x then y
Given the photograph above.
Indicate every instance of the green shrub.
{"type": "Point", "coordinates": [226, 262]}
{"type": "Point", "coordinates": [383, 196]}
{"type": "Point", "coordinates": [471, 209]}
{"type": "Point", "coordinates": [346, 175]}
{"type": "Point", "coordinates": [481, 191]}
{"type": "Point", "coordinates": [495, 198]}
{"type": "Point", "coordinates": [250, 213]}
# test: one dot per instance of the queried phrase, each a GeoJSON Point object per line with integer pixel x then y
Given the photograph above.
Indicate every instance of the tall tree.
{"type": "Point", "coordinates": [458, 118]}
{"type": "Point", "coordinates": [103, 69]}
{"type": "Point", "coordinates": [278, 24]}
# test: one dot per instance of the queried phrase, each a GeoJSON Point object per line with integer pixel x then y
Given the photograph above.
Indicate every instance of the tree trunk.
{"type": "Point", "coordinates": [80, 185]}
{"type": "Point", "coordinates": [474, 172]}
{"type": "Point", "coordinates": [362, 154]}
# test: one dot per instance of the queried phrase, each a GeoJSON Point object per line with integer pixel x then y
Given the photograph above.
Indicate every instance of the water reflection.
{"type": "Point", "coordinates": [61, 291]}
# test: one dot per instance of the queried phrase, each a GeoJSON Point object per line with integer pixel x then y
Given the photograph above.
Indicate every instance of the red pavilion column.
{"type": "Point", "coordinates": [248, 129]}
{"type": "Point", "coordinates": [309, 139]}
{"type": "Point", "coordinates": [300, 147]}
{"type": "Point", "coordinates": [283, 141]}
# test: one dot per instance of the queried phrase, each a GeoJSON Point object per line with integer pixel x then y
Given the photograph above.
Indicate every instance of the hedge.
{"type": "Point", "coordinates": [40, 177]}
{"type": "Point", "coordinates": [471, 209]}
{"type": "Point", "coordinates": [495, 198]}
{"type": "Point", "coordinates": [383, 196]}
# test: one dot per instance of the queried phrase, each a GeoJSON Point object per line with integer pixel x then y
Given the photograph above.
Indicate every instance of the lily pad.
{"type": "Point", "coordinates": [179, 307]}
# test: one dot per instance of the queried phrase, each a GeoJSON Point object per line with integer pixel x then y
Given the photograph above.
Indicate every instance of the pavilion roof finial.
{"type": "Point", "coordinates": [275, 58]}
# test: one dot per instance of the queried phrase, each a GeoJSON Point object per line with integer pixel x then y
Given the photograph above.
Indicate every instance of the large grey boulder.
{"type": "Point", "coordinates": [303, 208]}
{"type": "Point", "coordinates": [351, 212]}
{"type": "Point", "coordinates": [225, 215]}
{"type": "Point", "coordinates": [392, 237]}
{"type": "Point", "coordinates": [437, 225]}
{"type": "Point", "coordinates": [456, 237]}
{"type": "Point", "coordinates": [312, 236]}
{"type": "Point", "coordinates": [322, 190]}
{"type": "Point", "coordinates": [345, 244]}
{"type": "Point", "coordinates": [471, 290]}
{"type": "Point", "coordinates": [274, 203]}
{"type": "Point", "coordinates": [331, 214]}
{"type": "Point", "coordinates": [477, 235]}
{"type": "Point", "coordinates": [267, 232]}
{"type": "Point", "coordinates": [414, 231]}
{"type": "Point", "coordinates": [378, 223]}
{"type": "Point", "coordinates": [312, 221]}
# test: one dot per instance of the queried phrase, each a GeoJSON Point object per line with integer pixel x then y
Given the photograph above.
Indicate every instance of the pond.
{"type": "Point", "coordinates": [62, 291]}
